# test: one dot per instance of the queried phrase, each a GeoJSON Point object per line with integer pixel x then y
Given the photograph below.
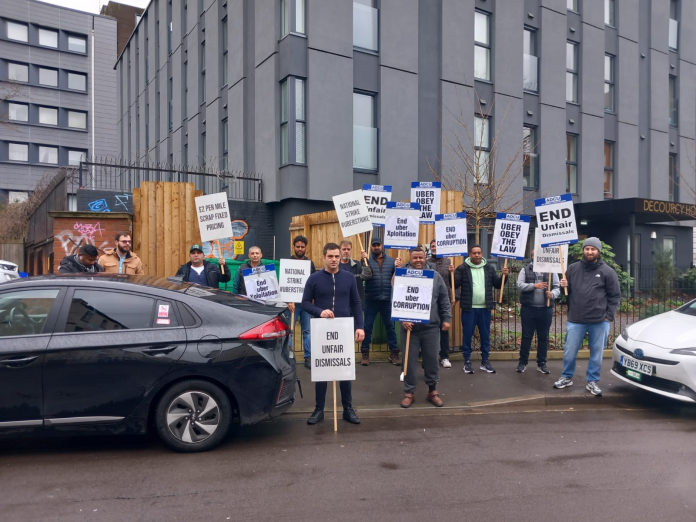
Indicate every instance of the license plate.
{"type": "Point", "coordinates": [638, 366]}
{"type": "Point", "coordinates": [633, 375]}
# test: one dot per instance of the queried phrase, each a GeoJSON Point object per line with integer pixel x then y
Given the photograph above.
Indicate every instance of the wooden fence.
{"type": "Point", "coordinates": [164, 225]}
{"type": "Point", "coordinates": [13, 251]}
{"type": "Point", "coordinates": [322, 227]}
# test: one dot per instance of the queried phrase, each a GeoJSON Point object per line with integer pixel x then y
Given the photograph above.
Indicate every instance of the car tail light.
{"type": "Point", "coordinates": [272, 329]}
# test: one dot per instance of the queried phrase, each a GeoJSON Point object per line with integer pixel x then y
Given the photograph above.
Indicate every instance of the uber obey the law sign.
{"type": "Point", "coordinates": [427, 194]}
{"type": "Point", "coordinates": [333, 349]}
{"type": "Point", "coordinates": [510, 236]}
{"type": "Point", "coordinates": [412, 295]}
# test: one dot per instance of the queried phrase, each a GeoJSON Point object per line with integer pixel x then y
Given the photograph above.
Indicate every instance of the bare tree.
{"type": "Point", "coordinates": [8, 91]}
{"type": "Point", "coordinates": [472, 168]}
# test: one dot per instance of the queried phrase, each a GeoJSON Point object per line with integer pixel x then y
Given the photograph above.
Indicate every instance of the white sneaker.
{"type": "Point", "coordinates": [445, 363]}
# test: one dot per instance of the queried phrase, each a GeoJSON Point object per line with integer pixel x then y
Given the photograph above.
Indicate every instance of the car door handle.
{"type": "Point", "coordinates": [18, 363]}
{"type": "Point", "coordinates": [159, 351]}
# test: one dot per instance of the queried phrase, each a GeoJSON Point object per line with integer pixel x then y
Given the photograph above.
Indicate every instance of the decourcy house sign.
{"type": "Point", "coordinates": [667, 207]}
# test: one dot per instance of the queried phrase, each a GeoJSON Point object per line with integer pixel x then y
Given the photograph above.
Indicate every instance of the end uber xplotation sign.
{"type": "Point", "coordinates": [556, 220]}
{"type": "Point", "coordinates": [401, 225]}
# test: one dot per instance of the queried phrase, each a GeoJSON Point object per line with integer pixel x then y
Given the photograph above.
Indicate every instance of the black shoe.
{"type": "Point", "coordinates": [543, 369]}
{"type": "Point", "coordinates": [316, 416]}
{"type": "Point", "coordinates": [350, 416]}
{"type": "Point", "coordinates": [308, 363]}
{"type": "Point", "coordinates": [521, 367]}
{"type": "Point", "coordinates": [486, 367]}
{"type": "Point", "coordinates": [468, 368]}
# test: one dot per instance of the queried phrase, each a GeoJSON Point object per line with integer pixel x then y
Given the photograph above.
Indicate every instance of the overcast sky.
{"type": "Point", "coordinates": [93, 6]}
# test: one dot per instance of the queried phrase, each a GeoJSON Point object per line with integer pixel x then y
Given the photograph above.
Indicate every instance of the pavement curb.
{"type": "Point", "coordinates": [552, 355]}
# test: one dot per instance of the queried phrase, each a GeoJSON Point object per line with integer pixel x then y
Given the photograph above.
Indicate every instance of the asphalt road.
{"type": "Point", "coordinates": [545, 465]}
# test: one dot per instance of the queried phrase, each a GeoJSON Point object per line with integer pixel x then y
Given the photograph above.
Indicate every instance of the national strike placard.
{"type": "Point", "coordinates": [412, 295]}
{"type": "Point", "coordinates": [510, 236]}
{"type": "Point", "coordinates": [401, 225]}
{"type": "Point", "coordinates": [450, 235]}
{"type": "Point", "coordinates": [546, 260]}
{"type": "Point", "coordinates": [376, 199]}
{"type": "Point", "coordinates": [213, 216]}
{"type": "Point", "coordinates": [352, 213]}
{"type": "Point", "coordinates": [293, 278]}
{"type": "Point", "coordinates": [427, 195]}
{"type": "Point", "coordinates": [556, 220]}
{"type": "Point", "coordinates": [262, 283]}
{"type": "Point", "coordinates": [333, 349]}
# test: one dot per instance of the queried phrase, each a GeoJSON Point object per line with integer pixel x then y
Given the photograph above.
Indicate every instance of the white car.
{"type": "Point", "coordinates": [8, 271]}
{"type": "Point", "coordinates": [658, 354]}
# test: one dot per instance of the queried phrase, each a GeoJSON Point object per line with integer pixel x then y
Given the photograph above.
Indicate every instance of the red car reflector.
{"type": "Point", "coordinates": [272, 329]}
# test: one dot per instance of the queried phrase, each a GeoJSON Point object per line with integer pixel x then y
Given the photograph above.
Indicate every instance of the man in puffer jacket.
{"type": "Point", "coordinates": [474, 281]}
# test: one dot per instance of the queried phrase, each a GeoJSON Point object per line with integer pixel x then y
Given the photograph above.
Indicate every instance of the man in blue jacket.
{"type": "Point", "coordinates": [329, 293]}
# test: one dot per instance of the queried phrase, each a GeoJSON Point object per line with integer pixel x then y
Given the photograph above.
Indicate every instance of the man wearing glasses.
{"type": "Point", "coordinates": [120, 260]}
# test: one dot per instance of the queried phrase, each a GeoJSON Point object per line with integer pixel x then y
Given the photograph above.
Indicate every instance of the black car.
{"type": "Point", "coordinates": [123, 354]}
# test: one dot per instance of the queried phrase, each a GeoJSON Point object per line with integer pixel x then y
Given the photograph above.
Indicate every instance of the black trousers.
{"type": "Point", "coordinates": [535, 318]}
{"type": "Point", "coordinates": [346, 394]}
{"type": "Point", "coordinates": [444, 345]}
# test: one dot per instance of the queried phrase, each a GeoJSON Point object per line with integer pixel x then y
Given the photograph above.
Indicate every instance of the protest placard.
{"type": "Point", "coordinates": [450, 235]}
{"type": "Point", "coordinates": [333, 349]}
{"type": "Point", "coordinates": [510, 236]}
{"type": "Point", "coordinates": [293, 278]}
{"type": "Point", "coordinates": [213, 216]}
{"type": "Point", "coordinates": [547, 260]}
{"type": "Point", "coordinates": [352, 213]}
{"type": "Point", "coordinates": [376, 199]}
{"type": "Point", "coordinates": [412, 295]}
{"type": "Point", "coordinates": [401, 225]}
{"type": "Point", "coordinates": [262, 283]}
{"type": "Point", "coordinates": [556, 220]}
{"type": "Point", "coordinates": [427, 194]}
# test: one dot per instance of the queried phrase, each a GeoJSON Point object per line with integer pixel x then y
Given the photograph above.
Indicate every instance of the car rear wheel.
{"type": "Point", "coordinates": [193, 416]}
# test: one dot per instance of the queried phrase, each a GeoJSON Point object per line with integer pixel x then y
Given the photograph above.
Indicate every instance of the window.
{"type": "Point", "coordinates": [293, 121]}
{"type": "Point", "coordinates": [571, 163]}
{"type": "Point", "coordinates": [673, 178]}
{"type": "Point", "coordinates": [669, 244]}
{"type": "Point", "coordinates": [608, 170]}
{"type": "Point", "coordinates": [77, 44]}
{"type": "Point", "coordinates": [530, 158]}
{"type": "Point", "coordinates": [628, 256]}
{"type": "Point", "coordinates": [75, 157]}
{"type": "Point", "coordinates": [609, 12]}
{"type": "Point", "coordinates": [608, 83]}
{"type": "Point", "coordinates": [225, 55]}
{"type": "Point", "coordinates": [573, 5]}
{"type": "Point", "coordinates": [571, 72]}
{"type": "Point", "coordinates": [284, 131]}
{"type": "Point", "coordinates": [48, 155]}
{"type": "Point", "coordinates": [482, 46]}
{"type": "Point", "coordinates": [202, 87]}
{"type": "Point", "coordinates": [365, 25]}
{"type": "Point", "coordinates": [288, 22]}
{"type": "Point", "coordinates": [48, 77]}
{"type": "Point", "coordinates": [203, 149]}
{"type": "Point", "coordinates": [184, 108]}
{"type": "Point", "coordinates": [18, 152]}
{"type": "Point", "coordinates": [364, 132]}
{"type": "Point", "coordinates": [98, 311]}
{"type": "Point", "coordinates": [17, 72]}
{"type": "Point", "coordinates": [673, 24]}
{"type": "Point", "coordinates": [482, 150]}
{"type": "Point", "coordinates": [48, 38]}
{"type": "Point", "coordinates": [166, 317]}
{"type": "Point", "coordinates": [77, 120]}
{"type": "Point", "coordinates": [299, 121]}
{"type": "Point", "coordinates": [530, 75]}
{"type": "Point", "coordinates": [77, 82]}
{"type": "Point", "coordinates": [170, 104]}
{"type": "Point", "coordinates": [225, 144]}
{"type": "Point", "coordinates": [17, 32]}
{"type": "Point", "coordinates": [25, 312]}
{"type": "Point", "coordinates": [169, 37]}
{"type": "Point", "coordinates": [18, 112]}
{"type": "Point", "coordinates": [673, 102]}
{"type": "Point", "coordinates": [48, 116]}
{"type": "Point", "coordinates": [300, 16]}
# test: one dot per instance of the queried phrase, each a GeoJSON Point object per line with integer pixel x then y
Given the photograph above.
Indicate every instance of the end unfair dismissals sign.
{"type": "Point", "coordinates": [556, 220]}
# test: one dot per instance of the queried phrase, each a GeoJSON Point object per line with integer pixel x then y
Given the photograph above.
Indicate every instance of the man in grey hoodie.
{"type": "Point", "coordinates": [426, 337]}
{"type": "Point", "coordinates": [593, 297]}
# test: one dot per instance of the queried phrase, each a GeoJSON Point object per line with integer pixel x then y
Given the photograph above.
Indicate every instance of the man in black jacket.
{"type": "Point", "coordinates": [299, 246]}
{"type": "Point", "coordinates": [238, 285]}
{"type": "Point", "coordinates": [202, 272]}
{"type": "Point", "coordinates": [84, 261]}
{"type": "Point", "coordinates": [361, 270]}
{"type": "Point", "coordinates": [332, 292]}
{"type": "Point", "coordinates": [474, 281]}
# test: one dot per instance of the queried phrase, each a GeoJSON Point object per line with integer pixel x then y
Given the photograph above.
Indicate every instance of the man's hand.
{"type": "Point", "coordinates": [506, 271]}
{"type": "Point", "coordinates": [453, 303]}
{"type": "Point", "coordinates": [359, 335]}
{"type": "Point", "coordinates": [363, 254]}
{"type": "Point", "coordinates": [549, 295]}
{"type": "Point", "coordinates": [408, 326]}
{"type": "Point", "coordinates": [445, 327]}
{"type": "Point", "coordinates": [540, 286]}
{"type": "Point", "coordinates": [451, 268]}
{"type": "Point", "coordinates": [397, 262]}
{"type": "Point", "coordinates": [222, 261]}
{"type": "Point", "coordinates": [327, 314]}
{"type": "Point", "coordinates": [291, 307]}
{"type": "Point", "coordinates": [607, 320]}
{"type": "Point", "coordinates": [564, 283]}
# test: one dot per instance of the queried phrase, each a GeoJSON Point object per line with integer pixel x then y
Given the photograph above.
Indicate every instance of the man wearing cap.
{"type": "Point", "coordinates": [593, 297]}
{"type": "Point", "coordinates": [202, 272]}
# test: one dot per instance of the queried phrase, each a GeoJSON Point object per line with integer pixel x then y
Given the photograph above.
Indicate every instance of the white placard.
{"type": "Point", "coordinates": [376, 199]}
{"type": "Point", "coordinates": [293, 278]}
{"type": "Point", "coordinates": [510, 236]}
{"type": "Point", "coordinates": [450, 235]}
{"type": "Point", "coordinates": [352, 213]}
{"type": "Point", "coordinates": [412, 295]}
{"type": "Point", "coordinates": [556, 220]}
{"type": "Point", "coordinates": [546, 260]}
{"type": "Point", "coordinates": [401, 225]}
{"type": "Point", "coordinates": [261, 283]}
{"type": "Point", "coordinates": [213, 217]}
{"type": "Point", "coordinates": [333, 349]}
{"type": "Point", "coordinates": [427, 194]}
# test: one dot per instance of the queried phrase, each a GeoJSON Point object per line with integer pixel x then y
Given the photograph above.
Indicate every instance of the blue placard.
{"type": "Point", "coordinates": [513, 217]}
{"type": "Point", "coordinates": [447, 217]}
{"type": "Point", "coordinates": [413, 272]}
{"type": "Point", "coordinates": [377, 188]}
{"type": "Point", "coordinates": [261, 269]}
{"type": "Point", "coordinates": [552, 200]}
{"type": "Point", "coordinates": [426, 184]}
{"type": "Point", "coordinates": [403, 205]}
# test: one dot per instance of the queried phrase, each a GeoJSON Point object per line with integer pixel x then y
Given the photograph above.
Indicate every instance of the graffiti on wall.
{"type": "Point", "coordinates": [104, 201]}
{"type": "Point", "coordinates": [240, 228]}
{"type": "Point", "coordinates": [82, 234]}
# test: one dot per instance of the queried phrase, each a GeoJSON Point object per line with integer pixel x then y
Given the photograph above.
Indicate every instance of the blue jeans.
{"type": "Point", "coordinates": [304, 318]}
{"type": "Point", "coordinates": [470, 320]}
{"type": "Point", "coordinates": [575, 333]}
{"type": "Point", "coordinates": [383, 308]}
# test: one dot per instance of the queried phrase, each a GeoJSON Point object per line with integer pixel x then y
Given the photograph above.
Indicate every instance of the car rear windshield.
{"type": "Point", "coordinates": [688, 308]}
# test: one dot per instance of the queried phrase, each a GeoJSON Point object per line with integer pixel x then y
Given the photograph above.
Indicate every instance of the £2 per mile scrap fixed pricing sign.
{"type": "Point", "coordinates": [510, 236]}
{"type": "Point", "coordinates": [412, 296]}
{"type": "Point", "coordinates": [556, 220]}
{"type": "Point", "coordinates": [213, 216]}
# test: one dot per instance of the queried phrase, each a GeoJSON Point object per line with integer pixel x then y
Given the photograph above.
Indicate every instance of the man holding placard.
{"type": "Point", "coordinates": [333, 293]}
{"type": "Point", "coordinates": [361, 271]}
{"type": "Point", "coordinates": [255, 255]}
{"type": "Point", "coordinates": [421, 301]}
{"type": "Point", "coordinates": [444, 267]}
{"type": "Point", "coordinates": [202, 272]}
{"type": "Point", "coordinates": [299, 247]}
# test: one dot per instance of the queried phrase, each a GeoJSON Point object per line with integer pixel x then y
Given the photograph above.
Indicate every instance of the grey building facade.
{"type": "Point", "coordinates": [322, 96]}
{"type": "Point", "coordinates": [58, 91]}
